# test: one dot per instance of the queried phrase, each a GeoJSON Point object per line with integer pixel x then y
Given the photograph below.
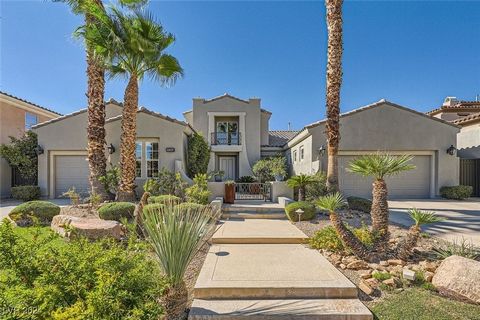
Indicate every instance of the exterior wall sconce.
{"type": "Point", "coordinates": [321, 150]}
{"type": "Point", "coordinates": [111, 149]}
{"type": "Point", "coordinates": [39, 150]}
{"type": "Point", "coordinates": [451, 150]}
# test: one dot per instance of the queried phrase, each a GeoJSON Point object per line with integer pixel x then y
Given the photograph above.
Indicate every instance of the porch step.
{"type": "Point", "coordinates": [253, 210]}
{"type": "Point", "coordinates": [258, 231]}
{"type": "Point", "coordinates": [305, 309]}
{"type": "Point", "coordinates": [253, 215]}
{"type": "Point", "coordinates": [270, 271]}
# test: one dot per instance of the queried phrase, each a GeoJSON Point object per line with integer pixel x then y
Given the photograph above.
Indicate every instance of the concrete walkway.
{"type": "Point", "coordinates": [256, 268]}
{"type": "Point", "coordinates": [462, 217]}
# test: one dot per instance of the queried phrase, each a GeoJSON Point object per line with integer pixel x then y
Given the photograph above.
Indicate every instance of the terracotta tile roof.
{"type": "Point", "coordinates": [29, 102]}
{"type": "Point", "coordinates": [462, 105]}
{"type": "Point", "coordinates": [278, 138]}
{"type": "Point", "coordinates": [474, 117]}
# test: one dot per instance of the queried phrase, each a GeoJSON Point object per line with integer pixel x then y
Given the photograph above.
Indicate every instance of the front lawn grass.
{"type": "Point", "coordinates": [420, 304]}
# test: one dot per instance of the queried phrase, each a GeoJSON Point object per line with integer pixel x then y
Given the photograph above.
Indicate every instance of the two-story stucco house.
{"type": "Point", "coordinates": [17, 116]}
{"type": "Point", "coordinates": [465, 114]}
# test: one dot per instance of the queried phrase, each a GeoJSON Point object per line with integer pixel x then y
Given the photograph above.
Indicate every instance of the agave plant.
{"type": "Point", "coordinates": [405, 247]}
{"type": "Point", "coordinates": [380, 166]}
{"type": "Point", "coordinates": [177, 234]}
{"type": "Point", "coordinates": [331, 203]}
{"type": "Point", "coordinates": [301, 181]}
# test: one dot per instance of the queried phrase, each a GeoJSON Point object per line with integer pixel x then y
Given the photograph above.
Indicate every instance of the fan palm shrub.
{"type": "Point", "coordinates": [176, 235]}
{"type": "Point", "coordinates": [131, 45]}
{"type": "Point", "coordinates": [405, 247]}
{"type": "Point", "coordinates": [332, 203]}
{"type": "Point", "coordinates": [301, 181]}
{"type": "Point", "coordinates": [380, 166]}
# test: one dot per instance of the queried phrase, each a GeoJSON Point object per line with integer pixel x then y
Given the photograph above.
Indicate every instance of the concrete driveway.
{"type": "Point", "coordinates": [6, 205]}
{"type": "Point", "coordinates": [463, 217]}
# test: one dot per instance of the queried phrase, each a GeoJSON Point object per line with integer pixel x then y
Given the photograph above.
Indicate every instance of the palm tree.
{"type": "Point", "coordinates": [380, 166]}
{"type": "Point", "coordinates": [332, 202]}
{"type": "Point", "coordinates": [334, 82]}
{"type": "Point", "coordinates": [405, 247]}
{"type": "Point", "coordinates": [97, 160]}
{"type": "Point", "coordinates": [300, 182]}
{"type": "Point", "coordinates": [131, 45]}
{"type": "Point", "coordinates": [176, 235]}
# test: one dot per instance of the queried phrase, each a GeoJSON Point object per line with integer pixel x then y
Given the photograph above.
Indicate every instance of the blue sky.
{"type": "Point", "coordinates": [411, 53]}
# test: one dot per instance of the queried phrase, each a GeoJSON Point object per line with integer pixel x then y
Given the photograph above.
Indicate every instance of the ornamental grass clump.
{"type": "Point", "coordinates": [177, 235]}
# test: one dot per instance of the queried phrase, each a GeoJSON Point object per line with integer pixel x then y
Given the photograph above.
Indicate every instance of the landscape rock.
{"type": "Point", "coordinates": [428, 266]}
{"type": "Point", "coordinates": [372, 282]}
{"type": "Point", "coordinates": [365, 287]}
{"type": "Point", "coordinates": [357, 264]}
{"type": "Point", "coordinates": [429, 276]}
{"type": "Point", "coordinates": [389, 282]}
{"type": "Point", "coordinates": [408, 274]}
{"type": "Point", "coordinates": [94, 228]}
{"type": "Point", "coordinates": [384, 263]}
{"type": "Point", "coordinates": [459, 278]}
{"type": "Point", "coordinates": [395, 262]}
{"type": "Point", "coordinates": [365, 274]}
{"type": "Point", "coordinates": [342, 266]}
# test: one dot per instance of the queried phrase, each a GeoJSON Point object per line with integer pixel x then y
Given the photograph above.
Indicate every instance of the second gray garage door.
{"type": "Point", "coordinates": [71, 171]}
{"type": "Point", "coordinates": [410, 184]}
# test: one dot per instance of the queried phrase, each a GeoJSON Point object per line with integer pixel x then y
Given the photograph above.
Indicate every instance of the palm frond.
{"type": "Point", "coordinates": [300, 180]}
{"type": "Point", "coordinates": [331, 202]}
{"type": "Point", "coordinates": [423, 217]}
{"type": "Point", "coordinates": [380, 165]}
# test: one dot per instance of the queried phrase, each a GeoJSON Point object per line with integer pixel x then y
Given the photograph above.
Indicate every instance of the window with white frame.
{"type": "Point", "coordinates": [30, 120]}
{"type": "Point", "coordinates": [302, 153]}
{"type": "Point", "coordinates": [295, 156]}
{"type": "Point", "coordinates": [147, 156]}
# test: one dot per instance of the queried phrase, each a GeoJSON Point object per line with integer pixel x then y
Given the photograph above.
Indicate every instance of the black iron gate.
{"type": "Point", "coordinates": [253, 191]}
{"type": "Point", "coordinates": [470, 174]}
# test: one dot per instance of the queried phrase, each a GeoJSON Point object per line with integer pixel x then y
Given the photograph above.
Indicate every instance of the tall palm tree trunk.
{"type": "Point", "coordinates": [301, 193]}
{"type": "Point", "coordinates": [126, 190]}
{"type": "Point", "coordinates": [334, 82]}
{"type": "Point", "coordinates": [348, 238]}
{"type": "Point", "coordinates": [379, 214]}
{"type": "Point", "coordinates": [97, 161]}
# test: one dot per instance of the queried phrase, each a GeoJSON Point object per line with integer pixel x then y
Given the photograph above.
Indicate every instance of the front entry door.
{"type": "Point", "coordinates": [227, 165]}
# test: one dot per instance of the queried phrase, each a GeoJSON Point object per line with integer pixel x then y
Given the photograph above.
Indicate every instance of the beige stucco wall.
{"type": "Point", "coordinates": [388, 128]}
{"type": "Point", "coordinates": [249, 151]}
{"type": "Point", "coordinates": [469, 136]}
{"type": "Point", "coordinates": [12, 123]}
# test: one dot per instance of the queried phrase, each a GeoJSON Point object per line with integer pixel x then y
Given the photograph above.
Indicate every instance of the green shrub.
{"type": "Point", "coordinates": [359, 204]}
{"type": "Point", "coordinates": [198, 193]}
{"type": "Point", "coordinates": [116, 210]}
{"type": "Point", "coordinates": [165, 199]}
{"type": "Point", "coordinates": [381, 276]}
{"type": "Point", "coordinates": [456, 192]}
{"type": "Point", "coordinates": [246, 179]}
{"type": "Point", "coordinates": [198, 155]}
{"type": "Point", "coordinates": [27, 213]}
{"type": "Point", "coordinates": [267, 169]}
{"type": "Point", "coordinates": [463, 248]}
{"type": "Point", "coordinates": [167, 182]}
{"type": "Point", "coordinates": [189, 206]}
{"type": "Point", "coordinates": [21, 154]}
{"type": "Point", "coordinates": [317, 188]}
{"type": "Point", "coordinates": [111, 179]}
{"type": "Point", "coordinates": [26, 193]}
{"type": "Point", "coordinates": [328, 239]}
{"type": "Point", "coordinates": [44, 277]}
{"type": "Point", "coordinates": [307, 207]}
{"type": "Point", "coordinates": [153, 207]}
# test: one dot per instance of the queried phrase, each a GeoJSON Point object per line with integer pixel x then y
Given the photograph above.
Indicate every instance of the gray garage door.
{"type": "Point", "coordinates": [410, 184]}
{"type": "Point", "coordinates": [71, 171]}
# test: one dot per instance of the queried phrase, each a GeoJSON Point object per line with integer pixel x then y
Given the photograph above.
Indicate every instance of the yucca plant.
{"type": "Point", "coordinates": [405, 247]}
{"type": "Point", "coordinates": [463, 248]}
{"type": "Point", "coordinates": [379, 166]}
{"type": "Point", "coordinates": [301, 181]}
{"type": "Point", "coordinates": [177, 234]}
{"type": "Point", "coordinates": [331, 203]}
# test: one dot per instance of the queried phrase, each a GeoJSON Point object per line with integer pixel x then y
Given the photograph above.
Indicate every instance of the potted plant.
{"type": "Point", "coordinates": [278, 168]}
{"type": "Point", "coordinates": [229, 191]}
{"type": "Point", "coordinates": [217, 175]}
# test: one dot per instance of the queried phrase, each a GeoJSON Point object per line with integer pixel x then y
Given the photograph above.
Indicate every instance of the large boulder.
{"type": "Point", "coordinates": [93, 228]}
{"type": "Point", "coordinates": [459, 278]}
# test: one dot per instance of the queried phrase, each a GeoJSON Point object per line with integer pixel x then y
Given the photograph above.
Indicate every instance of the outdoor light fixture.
{"type": "Point", "coordinates": [299, 212]}
{"type": "Point", "coordinates": [321, 150]}
{"type": "Point", "coordinates": [39, 150]}
{"type": "Point", "coordinates": [451, 150]}
{"type": "Point", "coordinates": [111, 149]}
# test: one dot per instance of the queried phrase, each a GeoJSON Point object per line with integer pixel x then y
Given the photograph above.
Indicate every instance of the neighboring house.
{"type": "Point", "coordinates": [16, 117]}
{"type": "Point", "coordinates": [237, 131]}
{"type": "Point", "coordinates": [465, 114]}
{"type": "Point", "coordinates": [386, 127]}
{"type": "Point", "coordinates": [161, 142]}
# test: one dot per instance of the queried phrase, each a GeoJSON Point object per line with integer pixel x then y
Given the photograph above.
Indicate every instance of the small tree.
{"type": "Point", "coordinates": [21, 155]}
{"type": "Point", "coordinates": [198, 155]}
{"type": "Point", "coordinates": [301, 181]}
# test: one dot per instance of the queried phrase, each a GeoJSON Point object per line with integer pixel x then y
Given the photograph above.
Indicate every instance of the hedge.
{"type": "Point", "coordinates": [116, 210]}
{"type": "Point", "coordinates": [456, 192]}
{"type": "Point", "coordinates": [26, 213]}
{"type": "Point", "coordinates": [165, 199]}
{"type": "Point", "coordinates": [26, 193]}
{"type": "Point", "coordinates": [307, 207]}
{"type": "Point", "coordinates": [360, 204]}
